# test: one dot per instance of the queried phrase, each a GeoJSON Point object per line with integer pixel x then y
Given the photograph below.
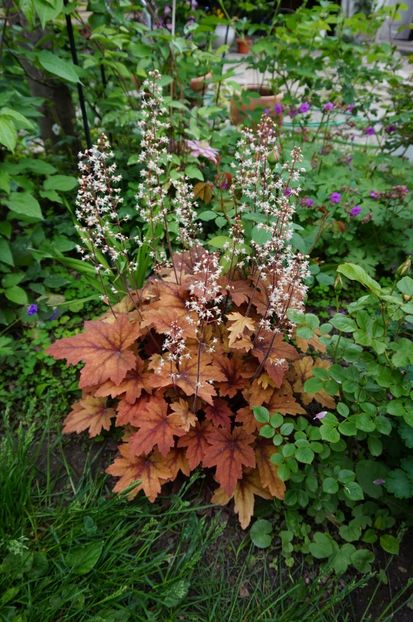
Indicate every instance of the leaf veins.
{"type": "Point", "coordinates": [229, 451]}
{"type": "Point", "coordinates": [104, 347]}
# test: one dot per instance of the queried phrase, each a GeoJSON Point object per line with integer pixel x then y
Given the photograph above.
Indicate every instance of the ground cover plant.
{"type": "Point", "coordinates": [246, 292]}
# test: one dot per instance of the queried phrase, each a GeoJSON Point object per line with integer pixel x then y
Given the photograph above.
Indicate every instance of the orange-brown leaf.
{"type": "Point", "coordinates": [236, 372]}
{"type": "Point", "coordinates": [176, 461]}
{"type": "Point", "coordinates": [240, 329]}
{"type": "Point", "coordinates": [193, 377]}
{"type": "Point", "coordinates": [243, 496]}
{"type": "Point", "coordinates": [204, 190]}
{"type": "Point", "coordinates": [150, 471]}
{"type": "Point", "coordinates": [155, 428]}
{"type": "Point", "coordinates": [283, 401]}
{"type": "Point", "coordinates": [219, 413]}
{"type": "Point", "coordinates": [104, 347]}
{"type": "Point", "coordinates": [136, 381]}
{"type": "Point", "coordinates": [89, 413]}
{"type": "Point", "coordinates": [196, 442]}
{"type": "Point", "coordinates": [245, 416]}
{"type": "Point", "coordinates": [267, 469]}
{"type": "Point", "coordinates": [128, 413]}
{"type": "Point", "coordinates": [182, 416]}
{"type": "Point", "coordinates": [273, 353]}
{"type": "Point", "coordinates": [229, 451]}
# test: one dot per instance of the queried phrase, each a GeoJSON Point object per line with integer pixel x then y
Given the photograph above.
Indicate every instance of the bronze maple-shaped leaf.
{"type": "Point", "coordinates": [194, 376]}
{"type": "Point", "coordinates": [219, 413]}
{"type": "Point", "coordinates": [130, 414]}
{"type": "Point", "coordinates": [156, 427]}
{"type": "Point", "coordinates": [229, 451]}
{"type": "Point", "coordinates": [89, 413]}
{"type": "Point", "coordinates": [240, 329]}
{"type": "Point", "coordinates": [176, 461]}
{"type": "Point", "coordinates": [273, 353]}
{"type": "Point", "coordinates": [136, 381]}
{"type": "Point", "coordinates": [244, 496]}
{"type": "Point", "coordinates": [104, 347]}
{"type": "Point", "coordinates": [182, 415]}
{"type": "Point", "coordinates": [196, 443]}
{"type": "Point", "coordinates": [267, 470]}
{"type": "Point", "coordinates": [236, 370]}
{"type": "Point", "coordinates": [150, 472]}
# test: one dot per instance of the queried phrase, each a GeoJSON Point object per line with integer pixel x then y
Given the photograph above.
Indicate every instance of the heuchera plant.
{"type": "Point", "coordinates": [181, 362]}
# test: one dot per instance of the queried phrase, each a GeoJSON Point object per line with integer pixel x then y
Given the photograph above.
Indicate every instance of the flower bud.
{"type": "Point", "coordinates": [338, 283]}
{"type": "Point", "coordinates": [404, 268]}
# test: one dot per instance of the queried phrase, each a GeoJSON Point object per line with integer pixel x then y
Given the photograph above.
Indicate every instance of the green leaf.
{"type": "Point", "coordinates": [267, 431]}
{"type": "Point", "coordinates": [330, 434]}
{"type": "Point", "coordinates": [260, 533]}
{"type": "Point", "coordinates": [343, 323]}
{"type": "Point", "coordinates": [20, 119]}
{"type": "Point", "coordinates": [193, 172]}
{"type": "Point", "coordinates": [207, 215]}
{"type": "Point", "coordinates": [322, 546]}
{"type": "Point", "coordinates": [16, 294]}
{"type": "Point", "coordinates": [8, 132]}
{"type": "Point", "coordinates": [405, 286]}
{"type": "Point", "coordinates": [46, 10]}
{"type": "Point", "coordinates": [313, 385]}
{"type": "Point", "coordinates": [84, 558]}
{"type": "Point", "coordinates": [261, 414]}
{"type": "Point", "coordinates": [354, 491]}
{"type": "Point", "coordinates": [57, 66]}
{"type": "Point", "coordinates": [24, 204]}
{"type": "Point", "coordinates": [276, 420]}
{"type": "Point", "coordinates": [399, 484]}
{"type": "Point", "coordinates": [5, 252]}
{"type": "Point", "coordinates": [368, 472]}
{"type": "Point", "coordinates": [305, 455]}
{"type": "Point", "coordinates": [362, 560]}
{"type": "Point", "coordinates": [63, 183]}
{"type": "Point", "coordinates": [330, 485]}
{"type": "Point", "coordinates": [219, 241]}
{"type": "Point", "coordinates": [356, 273]}
{"type": "Point", "coordinates": [390, 544]}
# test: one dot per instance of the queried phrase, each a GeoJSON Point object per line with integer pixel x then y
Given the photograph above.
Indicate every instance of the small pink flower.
{"type": "Point", "coordinates": [199, 148]}
{"type": "Point", "coordinates": [328, 107]}
{"type": "Point", "coordinates": [278, 108]}
{"type": "Point", "coordinates": [307, 202]}
{"type": "Point", "coordinates": [320, 415]}
{"type": "Point", "coordinates": [379, 482]}
{"type": "Point", "coordinates": [369, 131]}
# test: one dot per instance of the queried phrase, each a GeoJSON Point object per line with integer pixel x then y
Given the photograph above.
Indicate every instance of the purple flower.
{"type": "Point", "coordinates": [304, 107]}
{"type": "Point", "coordinates": [390, 129]}
{"type": "Point", "coordinates": [307, 202]}
{"type": "Point", "coordinates": [278, 108]}
{"type": "Point", "coordinates": [293, 112]}
{"type": "Point", "coordinates": [351, 107]}
{"type": "Point", "coordinates": [328, 107]}
{"type": "Point", "coordinates": [369, 131]}
{"type": "Point", "coordinates": [375, 195]}
{"type": "Point", "coordinates": [54, 315]}
{"type": "Point", "coordinates": [335, 197]}
{"type": "Point", "coordinates": [32, 309]}
{"type": "Point", "coordinates": [320, 415]}
{"type": "Point", "coordinates": [355, 211]}
{"type": "Point", "coordinates": [202, 148]}
{"type": "Point", "coordinates": [379, 482]}
{"type": "Point", "coordinates": [288, 192]}
{"type": "Point", "coordinates": [266, 111]}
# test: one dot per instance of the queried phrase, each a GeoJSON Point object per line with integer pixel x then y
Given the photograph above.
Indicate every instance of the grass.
{"type": "Point", "coordinates": [70, 550]}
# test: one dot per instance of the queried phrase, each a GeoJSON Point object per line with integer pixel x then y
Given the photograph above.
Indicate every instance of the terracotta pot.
{"type": "Point", "coordinates": [244, 45]}
{"type": "Point", "coordinates": [199, 84]}
{"type": "Point", "coordinates": [266, 100]}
